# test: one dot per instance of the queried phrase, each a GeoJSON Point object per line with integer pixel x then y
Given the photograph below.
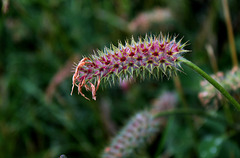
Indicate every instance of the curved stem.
{"type": "Point", "coordinates": [208, 115]}
{"type": "Point", "coordinates": [188, 111]}
{"type": "Point", "coordinates": [213, 82]}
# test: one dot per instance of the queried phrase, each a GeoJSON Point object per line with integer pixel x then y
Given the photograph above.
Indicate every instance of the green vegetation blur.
{"type": "Point", "coordinates": [41, 40]}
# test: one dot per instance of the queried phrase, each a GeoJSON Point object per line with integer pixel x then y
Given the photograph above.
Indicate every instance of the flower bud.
{"type": "Point", "coordinates": [230, 81]}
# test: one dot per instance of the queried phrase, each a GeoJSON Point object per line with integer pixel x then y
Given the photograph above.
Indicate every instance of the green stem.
{"type": "Point", "coordinates": [179, 88]}
{"type": "Point", "coordinates": [212, 81]}
{"type": "Point", "coordinates": [188, 111]}
{"type": "Point", "coordinates": [208, 115]}
{"type": "Point", "coordinates": [205, 114]}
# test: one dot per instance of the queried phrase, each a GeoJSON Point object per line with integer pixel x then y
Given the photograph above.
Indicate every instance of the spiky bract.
{"type": "Point", "coordinates": [155, 55]}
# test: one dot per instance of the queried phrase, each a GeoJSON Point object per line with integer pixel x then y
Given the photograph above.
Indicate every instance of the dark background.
{"type": "Point", "coordinates": [40, 41]}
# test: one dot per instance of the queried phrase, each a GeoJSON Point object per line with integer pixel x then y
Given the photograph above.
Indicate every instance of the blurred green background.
{"type": "Point", "coordinates": [40, 41]}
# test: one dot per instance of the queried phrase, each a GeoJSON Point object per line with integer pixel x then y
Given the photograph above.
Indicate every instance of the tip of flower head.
{"type": "Point", "coordinates": [153, 54]}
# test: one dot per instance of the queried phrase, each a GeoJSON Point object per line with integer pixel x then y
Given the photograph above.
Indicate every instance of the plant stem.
{"type": "Point", "coordinates": [213, 82]}
{"type": "Point", "coordinates": [212, 58]}
{"type": "Point", "coordinates": [230, 33]}
{"type": "Point", "coordinates": [208, 115]}
{"type": "Point", "coordinates": [179, 88]}
{"type": "Point", "coordinates": [188, 111]}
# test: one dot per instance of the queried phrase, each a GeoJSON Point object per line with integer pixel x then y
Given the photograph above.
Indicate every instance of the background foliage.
{"type": "Point", "coordinates": [40, 40]}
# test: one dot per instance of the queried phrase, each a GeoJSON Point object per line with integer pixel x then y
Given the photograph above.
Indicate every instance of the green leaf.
{"type": "Point", "coordinates": [179, 139]}
{"type": "Point", "coordinates": [229, 149]}
{"type": "Point", "coordinates": [210, 146]}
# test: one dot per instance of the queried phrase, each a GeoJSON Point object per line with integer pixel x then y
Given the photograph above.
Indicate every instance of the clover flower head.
{"type": "Point", "coordinates": [141, 129]}
{"type": "Point", "coordinates": [155, 55]}
{"type": "Point", "coordinates": [229, 80]}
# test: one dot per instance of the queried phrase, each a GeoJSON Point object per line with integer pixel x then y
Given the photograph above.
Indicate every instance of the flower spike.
{"type": "Point", "coordinates": [154, 54]}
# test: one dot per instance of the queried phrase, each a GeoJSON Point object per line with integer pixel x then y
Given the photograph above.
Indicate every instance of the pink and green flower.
{"type": "Point", "coordinates": [156, 55]}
